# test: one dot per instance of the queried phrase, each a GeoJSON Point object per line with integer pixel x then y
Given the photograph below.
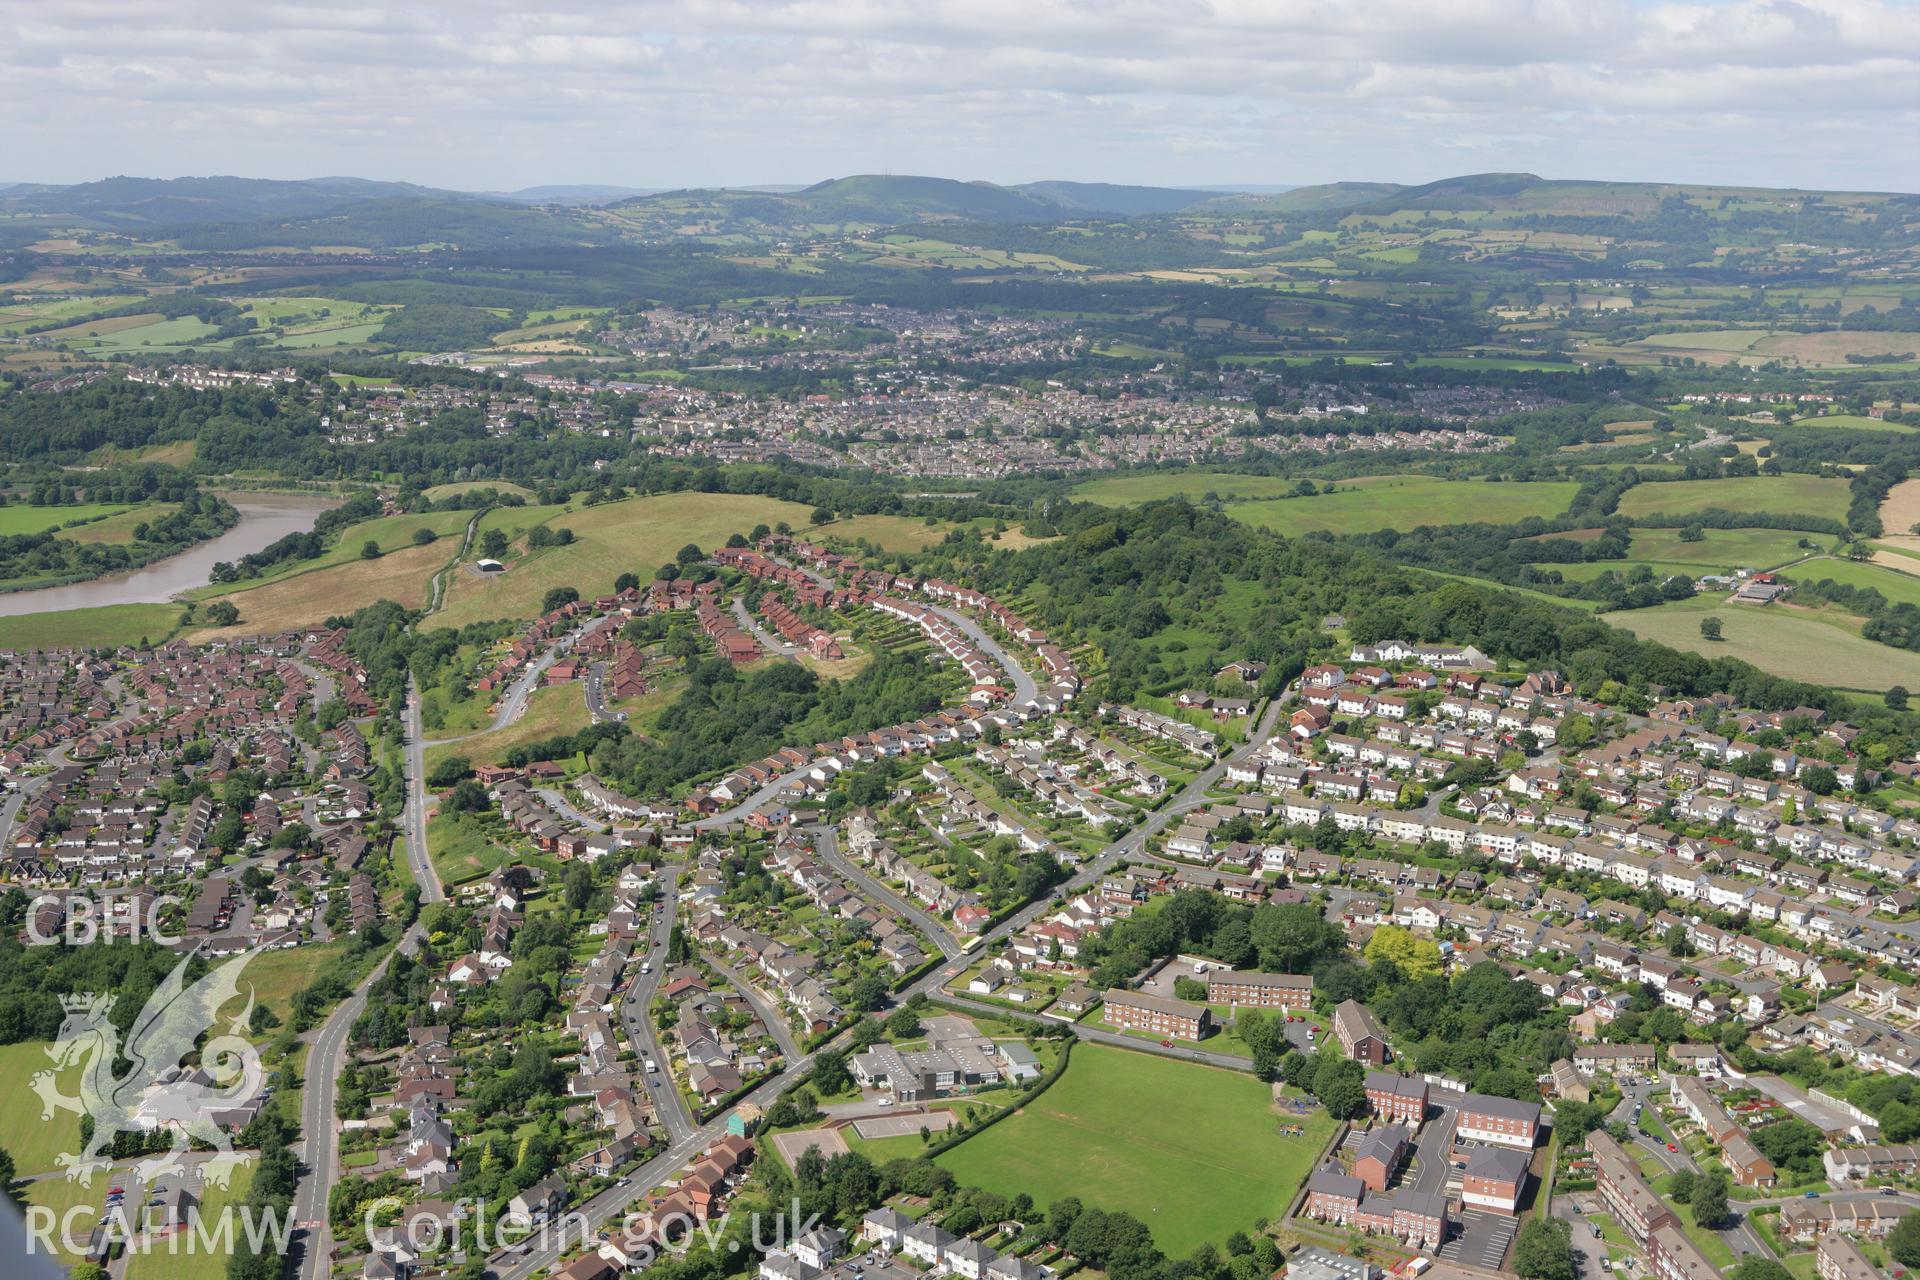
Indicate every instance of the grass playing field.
{"type": "Point", "coordinates": [34, 1143]}
{"type": "Point", "coordinates": [1796, 643]}
{"type": "Point", "coordinates": [1192, 1151]}
{"type": "Point", "coordinates": [1779, 495]}
{"type": "Point", "coordinates": [637, 535]}
{"type": "Point", "coordinates": [1407, 502]}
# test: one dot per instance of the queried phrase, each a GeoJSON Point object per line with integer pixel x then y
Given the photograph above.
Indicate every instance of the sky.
{"type": "Point", "coordinates": [481, 95]}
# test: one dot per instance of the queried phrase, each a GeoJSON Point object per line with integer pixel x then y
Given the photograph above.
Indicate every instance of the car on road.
{"type": "Point", "coordinates": [1671, 1147]}
{"type": "Point", "coordinates": [1811, 1195]}
{"type": "Point", "coordinates": [1166, 1044]}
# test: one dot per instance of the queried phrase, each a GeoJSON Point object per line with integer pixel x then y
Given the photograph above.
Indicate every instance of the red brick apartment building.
{"type": "Point", "coordinates": [1159, 1015]}
{"type": "Point", "coordinates": [1502, 1121]}
{"type": "Point", "coordinates": [1259, 990]}
{"type": "Point", "coordinates": [1398, 1098]}
{"type": "Point", "coordinates": [1362, 1038]}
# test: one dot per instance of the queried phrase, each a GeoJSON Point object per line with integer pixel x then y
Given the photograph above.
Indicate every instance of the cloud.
{"type": "Point", "coordinates": [486, 94]}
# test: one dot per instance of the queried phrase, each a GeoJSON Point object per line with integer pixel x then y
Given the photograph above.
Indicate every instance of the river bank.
{"type": "Point", "coordinates": [265, 518]}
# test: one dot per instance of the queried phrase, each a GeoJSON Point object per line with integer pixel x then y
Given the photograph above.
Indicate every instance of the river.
{"type": "Point", "coordinates": [265, 518]}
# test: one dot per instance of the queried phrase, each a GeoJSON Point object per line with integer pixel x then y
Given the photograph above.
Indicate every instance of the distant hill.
{"type": "Point", "coordinates": [1328, 197]}
{"type": "Point", "coordinates": [157, 202]}
{"type": "Point", "coordinates": [878, 198]}
{"type": "Point", "coordinates": [888, 200]}
{"type": "Point", "coordinates": [577, 194]}
{"type": "Point", "coordinates": [1114, 200]}
{"type": "Point", "coordinates": [1514, 194]}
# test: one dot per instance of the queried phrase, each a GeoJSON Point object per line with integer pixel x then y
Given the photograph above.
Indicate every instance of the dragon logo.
{"type": "Point", "coordinates": [157, 1091]}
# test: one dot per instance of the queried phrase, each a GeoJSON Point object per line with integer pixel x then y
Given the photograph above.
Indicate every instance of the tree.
{"type": "Point", "coordinates": [1903, 1242]}
{"type": "Point", "coordinates": [1414, 956]}
{"type": "Point", "coordinates": [449, 771]}
{"type": "Point", "coordinates": [223, 613]}
{"type": "Point", "coordinates": [7, 1173]}
{"type": "Point", "coordinates": [1681, 1189]}
{"type": "Point", "coordinates": [869, 992]}
{"type": "Point", "coordinates": [1294, 937]}
{"type": "Point", "coordinates": [558, 598]}
{"type": "Point", "coordinates": [903, 1023]}
{"type": "Point", "coordinates": [1576, 731]}
{"type": "Point", "coordinates": [1341, 1086]}
{"type": "Point", "coordinates": [369, 550]}
{"type": "Point", "coordinates": [821, 515]}
{"type": "Point", "coordinates": [1896, 698]}
{"type": "Point", "coordinates": [689, 554]}
{"type": "Point", "coordinates": [1186, 988]}
{"type": "Point", "coordinates": [1753, 1267]}
{"type": "Point", "coordinates": [830, 1075]}
{"type": "Point", "coordinates": [1710, 1199]}
{"type": "Point", "coordinates": [493, 544]}
{"type": "Point", "coordinates": [424, 537]}
{"type": "Point", "coordinates": [1544, 1250]}
{"type": "Point", "coordinates": [1710, 628]}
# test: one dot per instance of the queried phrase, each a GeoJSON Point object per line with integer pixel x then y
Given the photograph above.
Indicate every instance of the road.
{"type": "Point", "coordinates": [826, 846]}
{"type": "Point", "coordinates": [437, 588]}
{"type": "Point", "coordinates": [327, 1051]}
{"type": "Point", "coordinates": [326, 1059]}
{"type": "Point", "coordinates": [513, 703]}
{"type": "Point", "coordinates": [414, 819]}
{"type": "Point", "coordinates": [767, 1008]}
{"type": "Point", "coordinates": [668, 1103]}
{"type": "Point", "coordinates": [1024, 686]}
{"type": "Point", "coordinates": [593, 686]}
{"type": "Point", "coordinates": [768, 641]}
{"type": "Point", "coordinates": [565, 808]}
{"type": "Point", "coordinates": [1740, 1237]}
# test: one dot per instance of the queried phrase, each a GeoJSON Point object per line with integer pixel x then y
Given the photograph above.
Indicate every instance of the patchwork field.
{"type": "Point", "coordinates": [1796, 643]}
{"type": "Point", "coordinates": [110, 625]}
{"type": "Point", "coordinates": [119, 528]}
{"type": "Point", "coordinates": [390, 533]}
{"type": "Point", "coordinates": [1855, 422]}
{"type": "Point", "coordinates": [1719, 551]}
{"type": "Point", "coordinates": [1778, 495]}
{"type": "Point", "coordinates": [1897, 586]}
{"type": "Point", "coordinates": [307, 598]}
{"type": "Point", "coordinates": [1407, 502]}
{"type": "Point", "coordinates": [1153, 486]}
{"type": "Point", "coordinates": [1756, 346]}
{"type": "Point", "coordinates": [637, 535]}
{"type": "Point", "coordinates": [1109, 1133]}
{"type": "Point", "coordinates": [889, 533]}
{"type": "Point", "coordinates": [21, 518]}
